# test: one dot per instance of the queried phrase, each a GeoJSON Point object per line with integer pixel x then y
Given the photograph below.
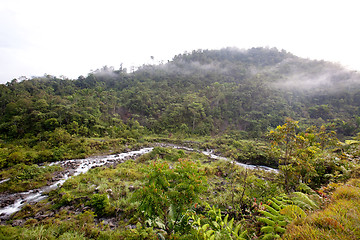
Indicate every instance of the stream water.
{"type": "Point", "coordinates": [78, 166]}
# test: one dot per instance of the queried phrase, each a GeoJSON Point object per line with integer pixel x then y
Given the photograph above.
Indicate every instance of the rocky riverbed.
{"type": "Point", "coordinates": [11, 203]}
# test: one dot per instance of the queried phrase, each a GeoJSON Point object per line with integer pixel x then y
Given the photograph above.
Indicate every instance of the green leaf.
{"type": "Point", "coordinates": [267, 229]}
{"type": "Point", "coordinates": [205, 226]}
{"type": "Point", "coordinates": [243, 234]}
{"type": "Point", "coordinates": [282, 223]}
{"type": "Point", "coordinates": [274, 205]}
{"type": "Point", "coordinates": [269, 236]}
{"type": "Point", "coordinates": [216, 225]}
{"type": "Point", "coordinates": [271, 210]}
{"type": "Point", "coordinates": [236, 230]}
{"type": "Point", "coordinates": [280, 229]}
{"type": "Point", "coordinates": [209, 233]}
{"type": "Point", "coordinates": [268, 215]}
{"type": "Point", "coordinates": [231, 224]}
{"type": "Point", "coordinates": [266, 221]}
{"type": "Point", "coordinates": [226, 219]}
{"type": "Point", "coordinates": [293, 212]}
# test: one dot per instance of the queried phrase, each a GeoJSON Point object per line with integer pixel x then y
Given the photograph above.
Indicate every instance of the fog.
{"type": "Point", "coordinates": [306, 75]}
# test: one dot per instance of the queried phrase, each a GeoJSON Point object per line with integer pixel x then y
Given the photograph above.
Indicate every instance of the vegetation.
{"type": "Point", "coordinates": [339, 220]}
{"type": "Point", "coordinates": [24, 177]}
{"type": "Point", "coordinates": [238, 104]}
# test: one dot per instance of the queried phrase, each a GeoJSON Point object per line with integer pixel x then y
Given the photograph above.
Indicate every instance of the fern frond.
{"type": "Point", "coordinates": [274, 205]}
{"type": "Point", "coordinates": [268, 215]}
{"type": "Point", "coordinates": [271, 210]}
{"type": "Point", "coordinates": [302, 197]}
{"type": "Point", "coordinates": [266, 221]}
{"type": "Point", "coordinates": [269, 236]}
{"type": "Point", "coordinates": [293, 212]}
{"type": "Point", "coordinates": [267, 229]}
{"type": "Point", "coordinates": [279, 229]}
{"type": "Point", "coordinates": [279, 203]}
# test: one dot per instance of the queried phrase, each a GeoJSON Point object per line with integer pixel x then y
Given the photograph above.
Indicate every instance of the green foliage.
{"type": "Point", "coordinates": [25, 177]}
{"type": "Point", "coordinates": [170, 191]}
{"type": "Point", "coordinates": [165, 199]}
{"type": "Point", "coordinates": [299, 152]}
{"type": "Point", "coordinates": [339, 220]}
{"type": "Point", "coordinates": [99, 202]}
{"type": "Point", "coordinates": [303, 201]}
{"type": "Point", "coordinates": [202, 92]}
{"type": "Point", "coordinates": [169, 154]}
{"type": "Point", "coordinates": [216, 227]}
{"type": "Point", "coordinates": [140, 233]}
{"type": "Point", "coordinates": [281, 210]}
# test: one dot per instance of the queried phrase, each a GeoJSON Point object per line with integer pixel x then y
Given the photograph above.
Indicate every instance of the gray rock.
{"type": "Point", "coordinates": [18, 222]}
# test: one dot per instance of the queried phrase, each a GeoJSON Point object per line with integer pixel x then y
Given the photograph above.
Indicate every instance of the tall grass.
{"type": "Point", "coordinates": [339, 220]}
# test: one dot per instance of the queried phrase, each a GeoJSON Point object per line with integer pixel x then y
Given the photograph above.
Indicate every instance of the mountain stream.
{"type": "Point", "coordinates": [11, 203]}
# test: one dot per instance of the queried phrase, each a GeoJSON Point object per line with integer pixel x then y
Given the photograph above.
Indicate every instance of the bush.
{"type": "Point", "coordinates": [99, 202]}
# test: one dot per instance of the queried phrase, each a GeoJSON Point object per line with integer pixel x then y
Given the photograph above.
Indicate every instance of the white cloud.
{"type": "Point", "coordinates": [71, 37]}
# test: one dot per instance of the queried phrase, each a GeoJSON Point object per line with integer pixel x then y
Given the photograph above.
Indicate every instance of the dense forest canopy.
{"type": "Point", "coordinates": [202, 92]}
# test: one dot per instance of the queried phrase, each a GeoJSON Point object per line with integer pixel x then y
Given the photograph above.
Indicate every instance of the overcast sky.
{"type": "Point", "coordinates": [73, 37]}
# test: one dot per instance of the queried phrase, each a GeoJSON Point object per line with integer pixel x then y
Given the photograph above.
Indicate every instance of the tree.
{"type": "Point", "coordinates": [298, 152]}
{"type": "Point", "coordinates": [283, 140]}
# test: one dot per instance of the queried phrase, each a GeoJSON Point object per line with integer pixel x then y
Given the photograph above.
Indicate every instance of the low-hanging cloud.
{"type": "Point", "coordinates": [306, 75]}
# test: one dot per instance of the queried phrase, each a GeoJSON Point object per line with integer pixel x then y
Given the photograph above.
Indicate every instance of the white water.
{"type": "Point", "coordinates": [248, 166]}
{"type": "Point", "coordinates": [85, 164]}
{"type": "Point", "coordinates": [5, 180]}
{"type": "Point", "coordinates": [83, 167]}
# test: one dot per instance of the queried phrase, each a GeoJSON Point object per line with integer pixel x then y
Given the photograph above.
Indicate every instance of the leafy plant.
{"type": "Point", "coordinates": [170, 191]}
{"type": "Point", "coordinates": [281, 210]}
{"type": "Point", "coordinates": [217, 227]}
{"type": "Point", "coordinates": [99, 202]}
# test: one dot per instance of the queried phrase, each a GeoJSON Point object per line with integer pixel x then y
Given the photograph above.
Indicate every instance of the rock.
{"type": "Point", "coordinates": [132, 188]}
{"type": "Point", "coordinates": [130, 226]}
{"type": "Point", "coordinates": [37, 215]}
{"type": "Point", "coordinates": [17, 222]}
{"type": "Point", "coordinates": [6, 202]}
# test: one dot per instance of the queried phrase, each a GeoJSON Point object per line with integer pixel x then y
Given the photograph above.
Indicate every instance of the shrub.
{"type": "Point", "coordinates": [99, 202]}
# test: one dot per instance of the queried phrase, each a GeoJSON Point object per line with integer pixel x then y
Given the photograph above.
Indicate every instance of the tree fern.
{"type": "Point", "coordinates": [279, 211]}
{"type": "Point", "coordinates": [303, 201]}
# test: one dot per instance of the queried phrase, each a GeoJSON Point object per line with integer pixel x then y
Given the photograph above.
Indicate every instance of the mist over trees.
{"type": "Point", "coordinates": [202, 92]}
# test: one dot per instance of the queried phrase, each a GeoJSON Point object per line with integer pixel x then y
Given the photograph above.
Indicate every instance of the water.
{"type": "Point", "coordinates": [5, 180]}
{"type": "Point", "coordinates": [83, 165]}
{"type": "Point", "coordinates": [248, 166]}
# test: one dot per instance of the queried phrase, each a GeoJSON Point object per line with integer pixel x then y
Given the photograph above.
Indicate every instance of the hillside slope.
{"type": "Point", "coordinates": [202, 92]}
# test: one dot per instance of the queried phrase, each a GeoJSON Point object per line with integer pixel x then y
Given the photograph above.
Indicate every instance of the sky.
{"type": "Point", "coordinates": [74, 37]}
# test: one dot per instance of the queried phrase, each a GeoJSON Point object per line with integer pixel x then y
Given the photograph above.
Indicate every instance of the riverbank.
{"type": "Point", "coordinates": [11, 203]}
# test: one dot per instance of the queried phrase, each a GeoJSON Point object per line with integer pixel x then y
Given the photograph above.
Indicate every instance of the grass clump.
{"type": "Point", "coordinates": [25, 177]}
{"type": "Point", "coordinates": [339, 220]}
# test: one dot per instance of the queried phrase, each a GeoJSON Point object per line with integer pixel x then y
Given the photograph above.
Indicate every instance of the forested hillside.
{"type": "Point", "coordinates": [260, 106]}
{"type": "Point", "coordinates": [203, 92]}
